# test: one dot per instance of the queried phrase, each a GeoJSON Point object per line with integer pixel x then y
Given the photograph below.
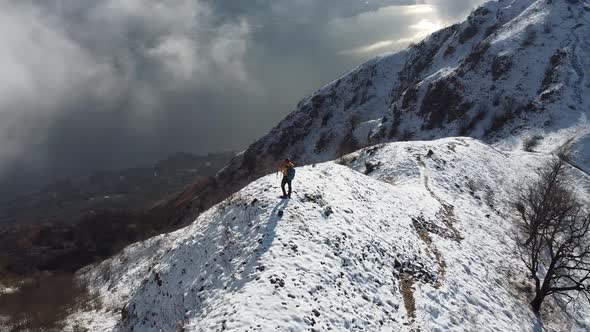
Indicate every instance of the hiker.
{"type": "Point", "coordinates": [287, 168]}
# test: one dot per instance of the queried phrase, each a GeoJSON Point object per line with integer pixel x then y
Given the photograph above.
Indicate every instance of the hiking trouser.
{"type": "Point", "coordinates": [286, 182]}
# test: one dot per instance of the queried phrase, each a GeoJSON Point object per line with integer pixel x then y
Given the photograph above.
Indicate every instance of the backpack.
{"type": "Point", "coordinates": [290, 173]}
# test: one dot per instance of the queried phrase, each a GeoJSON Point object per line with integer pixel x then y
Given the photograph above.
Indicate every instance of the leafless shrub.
{"type": "Point", "coordinates": [497, 99]}
{"type": "Point", "coordinates": [407, 135]}
{"type": "Point", "coordinates": [531, 142]}
{"type": "Point", "coordinates": [530, 37]}
{"type": "Point", "coordinates": [410, 97]}
{"type": "Point", "coordinates": [500, 120]}
{"type": "Point", "coordinates": [547, 27]}
{"type": "Point", "coordinates": [377, 135]}
{"type": "Point", "coordinates": [449, 51]}
{"type": "Point", "coordinates": [554, 236]}
{"type": "Point", "coordinates": [370, 167]}
{"type": "Point", "coordinates": [552, 70]}
{"type": "Point", "coordinates": [501, 66]}
{"type": "Point", "coordinates": [443, 102]}
{"type": "Point", "coordinates": [489, 197]}
{"type": "Point", "coordinates": [510, 109]}
{"type": "Point", "coordinates": [491, 29]}
{"type": "Point", "coordinates": [469, 32]}
{"type": "Point", "coordinates": [180, 327]}
{"type": "Point", "coordinates": [79, 328]}
{"type": "Point", "coordinates": [468, 125]}
{"type": "Point", "coordinates": [349, 144]}
{"type": "Point", "coordinates": [326, 118]}
{"type": "Point", "coordinates": [393, 130]}
{"type": "Point", "coordinates": [323, 142]}
{"type": "Point", "coordinates": [354, 121]}
{"type": "Point", "coordinates": [346, 160]}
{"type": "Point", "coordinates": [472, 186]}
{"type": "Point", "coordinates": [476, 55]}
{"type": "Point", "coordinates": [566, 152]}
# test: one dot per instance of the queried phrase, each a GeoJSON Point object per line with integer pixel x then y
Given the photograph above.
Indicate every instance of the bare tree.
{"type": "Point", "coordinates": [554, 236]}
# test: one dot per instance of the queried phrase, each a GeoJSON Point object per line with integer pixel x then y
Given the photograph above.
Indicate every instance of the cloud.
{"type": "Point", "coordinates": [414, 22]}
{"type": "Point", "coordinates": [452, 10]}
{"type": "Point", "coordinates": [117, 63]}
{"type": "Point", "coordinates": [35, 79]}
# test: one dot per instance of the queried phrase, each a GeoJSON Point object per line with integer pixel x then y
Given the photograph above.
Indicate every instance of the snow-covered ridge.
{"type": "Point", "coordinates": [402, 236]}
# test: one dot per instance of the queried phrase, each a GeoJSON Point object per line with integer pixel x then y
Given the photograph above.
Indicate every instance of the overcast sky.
{"type": "Point", "coordinates": [94, 84]}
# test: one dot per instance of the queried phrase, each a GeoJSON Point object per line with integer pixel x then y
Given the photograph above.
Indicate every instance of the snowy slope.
{"type": "Point", "coordinates": [403, 236]}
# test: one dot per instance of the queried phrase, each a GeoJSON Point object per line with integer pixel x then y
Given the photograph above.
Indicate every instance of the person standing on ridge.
{"type": "Point", "coordinates": [287, 168]}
